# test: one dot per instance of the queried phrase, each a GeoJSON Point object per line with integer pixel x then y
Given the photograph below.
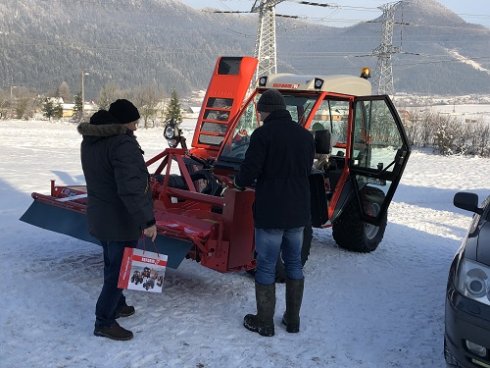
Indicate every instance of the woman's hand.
{"type": "Point", "coordinates": [151, 232]}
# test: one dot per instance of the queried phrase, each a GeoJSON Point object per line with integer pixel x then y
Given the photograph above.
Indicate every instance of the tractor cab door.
{"type": "Point", "coordinates": [379, 152]}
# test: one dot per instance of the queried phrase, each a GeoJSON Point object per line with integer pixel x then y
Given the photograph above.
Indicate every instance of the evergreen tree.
{"type": "Point", "coordinates": [78, 106]}
{"type": "Point", "coordinates": [51, 109]}
{"type": "Point", "coordinates": [174, 111]}
{"type": "Point", "coordinates": [58, 111]}
{"type": "Point", "coordinates": [48, 108]}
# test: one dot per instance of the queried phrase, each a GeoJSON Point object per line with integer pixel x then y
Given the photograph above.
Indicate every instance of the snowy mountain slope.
{"type": "Point", "coordinates": [164, 42]}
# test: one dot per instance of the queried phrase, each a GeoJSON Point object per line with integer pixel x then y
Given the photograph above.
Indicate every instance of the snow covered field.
{"type": "Point", "coordinates": [379, 310]}
{"type": "Point", "coordinates": [463, 113]}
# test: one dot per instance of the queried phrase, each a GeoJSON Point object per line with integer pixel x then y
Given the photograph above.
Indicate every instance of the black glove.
{"type": "Point", "coordinates": [240, 188]}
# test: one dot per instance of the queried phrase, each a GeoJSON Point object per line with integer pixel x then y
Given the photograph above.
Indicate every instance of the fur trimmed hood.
{"type": "Point", "coordinates": [107, 130]}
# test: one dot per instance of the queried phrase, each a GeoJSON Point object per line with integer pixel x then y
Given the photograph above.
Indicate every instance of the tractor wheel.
{"type": "Point", "coordinates": [353, 234]}
{"type": "Point", "coordinates": [305, 252]}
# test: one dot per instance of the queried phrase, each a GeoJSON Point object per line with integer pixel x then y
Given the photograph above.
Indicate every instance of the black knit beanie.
{"type": "Point", "coordinates": [102, 117]}
{"type": "Point", "coordinates": [124, 111]}
{"type": "Point", "coordinates": [271, 100]}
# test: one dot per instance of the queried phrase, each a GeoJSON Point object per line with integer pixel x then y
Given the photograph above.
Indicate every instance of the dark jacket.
{"type": "Point", "coordinates": [279, 157]}
{"type": "Point", "coordinates": [119, 197]}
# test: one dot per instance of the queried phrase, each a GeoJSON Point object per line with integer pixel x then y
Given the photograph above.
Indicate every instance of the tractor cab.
{"type": "Point", "coordinates": [361, 150]}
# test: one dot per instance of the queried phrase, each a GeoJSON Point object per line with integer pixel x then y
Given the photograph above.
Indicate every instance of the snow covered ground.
{"type": "Point", "coordinates": [378, 310]}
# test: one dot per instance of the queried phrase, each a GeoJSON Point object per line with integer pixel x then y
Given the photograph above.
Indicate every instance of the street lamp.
{"type": "Point", "coordinates": [83, 74]}
{"type": "Point", "coordinates": [11, 91]}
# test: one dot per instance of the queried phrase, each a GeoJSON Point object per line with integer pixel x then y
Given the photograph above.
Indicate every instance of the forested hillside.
{"type": "Point", "coordinates": [133, 43]}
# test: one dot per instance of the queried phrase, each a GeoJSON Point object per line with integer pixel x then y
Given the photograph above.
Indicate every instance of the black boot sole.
{"type": "Point", "coordinates": [109, 336]}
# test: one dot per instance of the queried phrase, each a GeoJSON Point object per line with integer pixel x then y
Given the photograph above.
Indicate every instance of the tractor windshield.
{"type": "Point", "coordinates": [299, 106]}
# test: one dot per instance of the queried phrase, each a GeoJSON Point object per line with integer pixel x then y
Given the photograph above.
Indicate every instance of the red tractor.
{"type": "Point", "coordinates": [362, 150]}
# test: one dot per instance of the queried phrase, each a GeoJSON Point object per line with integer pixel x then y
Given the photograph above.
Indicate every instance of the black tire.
{"type": "Point", "coordinates": [206, 183]}
{"type": "Point", "coordinates": [451, 361]}
{"type": "Point", "coordinates": [351, 233]}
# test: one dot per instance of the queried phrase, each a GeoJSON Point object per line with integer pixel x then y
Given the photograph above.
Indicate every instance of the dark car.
{"type": "Point", "coordinates": [467, 320]}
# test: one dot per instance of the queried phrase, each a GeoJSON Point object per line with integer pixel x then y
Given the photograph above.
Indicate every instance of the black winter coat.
{"type": "Point", "coordinates": [119, 198]}
{"type": "Point", "coordinates": [280, 157]}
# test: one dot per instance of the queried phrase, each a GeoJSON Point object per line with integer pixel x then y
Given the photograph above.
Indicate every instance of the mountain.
{"type": "Point", "coordinates": [133, 43]}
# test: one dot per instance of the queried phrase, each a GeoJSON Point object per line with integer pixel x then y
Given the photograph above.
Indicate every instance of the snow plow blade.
{"type": "Point", "coordinates": [73, 223]}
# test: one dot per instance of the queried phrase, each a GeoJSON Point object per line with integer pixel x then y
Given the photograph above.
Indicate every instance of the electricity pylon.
{"type": "Point", "coordinates": [265, 44]}
{"type": "Point", "coordinates": [384, 68]}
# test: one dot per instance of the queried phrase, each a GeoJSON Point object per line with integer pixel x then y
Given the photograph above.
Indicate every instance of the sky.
{"type": "Point", "coordinates": [473, 11]}
{"type": "Point", "coordinates": [379, 310]}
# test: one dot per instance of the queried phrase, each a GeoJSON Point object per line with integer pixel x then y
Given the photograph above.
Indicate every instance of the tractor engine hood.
{"type": "Point", "coordinates": [226, 92]}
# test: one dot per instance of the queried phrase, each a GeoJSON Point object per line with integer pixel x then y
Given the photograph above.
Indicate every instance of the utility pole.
{"type": "Point", "coordinates": [83, 74]}
{"type": "Point", "coordinates": [384, 68]}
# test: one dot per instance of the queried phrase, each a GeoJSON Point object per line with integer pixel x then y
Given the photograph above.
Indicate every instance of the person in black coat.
{"type": "Point", "coordinates": [120, 206]}
{"type": "Point", "coordinates": [278, 160]}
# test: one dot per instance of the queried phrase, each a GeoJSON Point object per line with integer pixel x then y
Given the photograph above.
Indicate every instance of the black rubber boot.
{"type": "Point", "coordinates": [294, 297]}
{"type": "Point", "coordinates": [262, 322]}
{"type": "Point", "coordinates": [125, 311]}
{"type": "Point", "coordinates": [114, 332]}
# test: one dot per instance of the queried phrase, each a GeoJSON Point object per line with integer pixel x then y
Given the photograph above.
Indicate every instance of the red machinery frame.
{"type": "Point", "coordinates": [212, 223]}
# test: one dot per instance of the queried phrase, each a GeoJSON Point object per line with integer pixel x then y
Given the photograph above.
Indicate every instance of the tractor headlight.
{"type": "Point", "coordinates": [472, 281]}
{"type": "Point", "coordinates": [318, 83]}
{"type": "Point", "coordinates": [170, 132]}
{"type": "Point", "coordinates": [262, 81]}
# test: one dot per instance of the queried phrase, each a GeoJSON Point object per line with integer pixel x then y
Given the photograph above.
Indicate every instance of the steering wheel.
{"type": "Point", "coordinates": [204, 162]}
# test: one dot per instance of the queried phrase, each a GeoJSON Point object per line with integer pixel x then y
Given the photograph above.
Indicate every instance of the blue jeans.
{"type": "Point", "coordinates": [268, 245]}
{"type": "Point", "coordinates": [111, 299]}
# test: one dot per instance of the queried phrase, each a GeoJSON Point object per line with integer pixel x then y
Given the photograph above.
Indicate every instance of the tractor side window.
{"type": "Point", "coordinates": [376, 137]}
{"type": "Point", "coordinates": [229, 65]}
{"type": "Point", "coordinates": [333, 116]}
{"type": "Point", "coordinates": [249, 121]}
{"type": "Point", "coordinates": [298, 106]}
{"type": "Point", "coordinates": [376, 144]}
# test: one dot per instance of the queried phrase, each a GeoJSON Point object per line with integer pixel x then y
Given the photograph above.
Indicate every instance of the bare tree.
{"type": "Point", "coordinates": [146, 99]}
{"type": "Point", "coordinates": [413, 129]}
{"type": "Point", "coordinates": [4, 104]}
{"type": "Point", "coordinates": [447, 132]}
{"type": "Point", "coordinates": [482, 135]}
{"type": "Point", "coordinates": [64, 92]}
{"type": "Point", "coordinates": [24, 103]}
{"type": "Point", "coordinates": [108, 94]}
{"type": "Point", "coordinates": [427, 128]}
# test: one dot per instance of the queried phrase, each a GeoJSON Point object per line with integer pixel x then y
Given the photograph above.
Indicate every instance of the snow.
{"type": "Point", "coordinates": [383, 309]}
{"type": "Point", "coordinates": [465, 60]}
